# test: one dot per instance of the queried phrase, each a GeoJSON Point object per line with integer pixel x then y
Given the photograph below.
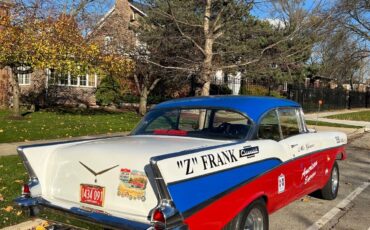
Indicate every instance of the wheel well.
{"type": "Point", "coordinates": [264, 197]}
{"type": "Point", "coordinates": [231, 225]}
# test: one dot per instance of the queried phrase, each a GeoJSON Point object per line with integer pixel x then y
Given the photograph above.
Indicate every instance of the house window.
{"type": "Point", "coordinates": [63, 79]}
{"type": "Point", "coordinates": [74, 81]}
{"type": "Point", "coordinates": [92, 79]}
{"type": "Point", "coordinates": [133, 17]}
{"type": "Point", "coordinates": [66, 79]}
{"type": "Point", "coordinates": [24, 78]}
{"type": "Point", "coordinates": [83, 80]}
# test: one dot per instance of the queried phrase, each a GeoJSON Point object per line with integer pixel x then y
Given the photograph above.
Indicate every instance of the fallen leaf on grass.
{"type": "Point", "coordinates": [19, 213]}
{"type": "Point", "coordinates": [8, 209]}
{"type": "Point", "coordinates": [1, 198]}
{"type": "Point", "coordinates": [1, 166]}
{"type": "Point", "coordinates": [40, 228]}
{"type": "Point", "coordinates": [1, 131]}
{"type": "Point", "coordinates": [19, 181]}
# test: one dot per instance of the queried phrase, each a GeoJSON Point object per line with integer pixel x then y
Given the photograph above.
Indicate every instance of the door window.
{"type": "Point", "coordinates": [269, 127]}
{"type": "Point", "coordinates": [289, 122]}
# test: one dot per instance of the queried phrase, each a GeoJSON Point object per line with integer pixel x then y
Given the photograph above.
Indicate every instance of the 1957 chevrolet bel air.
{"type": "Point", "coordinates": [195, 163]}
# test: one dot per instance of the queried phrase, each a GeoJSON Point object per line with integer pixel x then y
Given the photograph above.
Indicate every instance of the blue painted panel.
{"type": "Point", "coordinates": [190, 193]}
{"type": "Point", "coordinates": [253, 106]}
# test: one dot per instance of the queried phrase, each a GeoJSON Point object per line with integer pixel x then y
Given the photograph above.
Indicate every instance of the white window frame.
{"type": "Point", "coordinates": [69, 80]}
{"type": "Point", "coordinates": [23, 76]}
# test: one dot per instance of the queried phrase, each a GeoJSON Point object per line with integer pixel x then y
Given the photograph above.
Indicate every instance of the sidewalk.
{"type": "Point", "coordinates": [11, 148]}
{"type": "Point", "coordinates": [321, 117]}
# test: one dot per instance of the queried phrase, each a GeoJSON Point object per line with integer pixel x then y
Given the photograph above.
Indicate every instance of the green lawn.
{"type": "Point", "coordinates": [328, 124]}
{"type": "Point", "coordinates": [63, 124]}
{"type": "Point", "coordinates": [12, 177]}
{"type": "Point", "coordinates": [356, 116]}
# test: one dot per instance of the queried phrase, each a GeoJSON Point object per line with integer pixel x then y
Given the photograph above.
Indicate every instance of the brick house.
{"type": "Point", "coordinates": [114, 32]}
{"type": "Point", "coordinates": [4, 73]}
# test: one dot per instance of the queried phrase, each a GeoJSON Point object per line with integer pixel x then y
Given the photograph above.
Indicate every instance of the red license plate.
{"type": "Point", "coordinates": [91, 194]}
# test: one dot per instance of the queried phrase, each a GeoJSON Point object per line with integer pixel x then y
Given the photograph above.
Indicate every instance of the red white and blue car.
{"type": "Point", "coordinates": [196, 163]}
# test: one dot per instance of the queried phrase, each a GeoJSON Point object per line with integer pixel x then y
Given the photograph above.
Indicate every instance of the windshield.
{"type": "Point", "coordinates": [202, 123]}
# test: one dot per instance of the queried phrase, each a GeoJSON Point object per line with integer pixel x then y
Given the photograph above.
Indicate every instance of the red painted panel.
{"type": "Point", "coordinates": [223, 210]}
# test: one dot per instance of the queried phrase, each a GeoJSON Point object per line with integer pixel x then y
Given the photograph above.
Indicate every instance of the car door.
{"type": "Point", "coordinates": [307, 164]}
{"type": "Point", "coordinates": [282, 183]}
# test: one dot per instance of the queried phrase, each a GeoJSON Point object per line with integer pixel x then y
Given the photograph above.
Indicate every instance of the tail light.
{"type": "Point", "coordinates": [158, 219]}
{"type": "Point", "coordinates": [158, 216]}
{"type": "Point", "coordinates": [26, 190]}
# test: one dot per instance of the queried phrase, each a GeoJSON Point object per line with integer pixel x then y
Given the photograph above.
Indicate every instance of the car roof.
{"type": "Point", "coordinates": [253, 106]}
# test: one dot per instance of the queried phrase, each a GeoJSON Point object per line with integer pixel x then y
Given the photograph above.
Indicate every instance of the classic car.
{"type": "Point", "coordinates": [223, 162]}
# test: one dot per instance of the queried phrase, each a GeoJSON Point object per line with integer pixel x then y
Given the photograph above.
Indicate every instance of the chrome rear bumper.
{"type": "Point", "coordinates": [101, 219]}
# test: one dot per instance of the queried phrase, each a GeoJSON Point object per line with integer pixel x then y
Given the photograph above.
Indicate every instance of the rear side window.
{"type": "Point", "coordinates": [202, 123]}
{"type": "Point", "coordinates": [289, 122]}
{"type": "Point", "coordinates": [269, 127]}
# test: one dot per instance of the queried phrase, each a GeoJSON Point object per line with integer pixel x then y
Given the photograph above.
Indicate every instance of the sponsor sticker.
{"type": "Point", "coordinates": [281, 183]}
{"type": "Point", "coordinates": [132, 184]}
{"type": "Point", "coordinates": [249, 151]}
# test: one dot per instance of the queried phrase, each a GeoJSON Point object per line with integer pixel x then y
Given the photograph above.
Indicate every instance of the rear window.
{"type": "Point", "coordinates": [202, 123]}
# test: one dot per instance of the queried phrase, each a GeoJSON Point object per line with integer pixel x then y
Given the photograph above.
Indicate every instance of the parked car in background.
{"type": "Point", "coordinates": [193, 163]}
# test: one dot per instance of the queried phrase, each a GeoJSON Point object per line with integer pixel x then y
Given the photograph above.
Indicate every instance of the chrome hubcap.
{"type": "Point", "coordinates": [254, 220]}
{"type": "Point", "coordinates": [334, 180]}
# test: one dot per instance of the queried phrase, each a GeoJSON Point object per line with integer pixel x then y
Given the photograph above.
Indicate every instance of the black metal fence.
{"type": "Point", "coordinates": [332, 99]}
{"type": "Point", "coordinates": [308, 96]}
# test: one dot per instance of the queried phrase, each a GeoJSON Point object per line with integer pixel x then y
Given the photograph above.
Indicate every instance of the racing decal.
{"type": "Point", "coordinates": [339, 139]}
{"type": "Point", "coordinates": [305, 147]}
{"type": "Point", "coordinates": [212, 160]}
{"type": "Point", "coordinates": [309, 173]}
{"type": "Point", "coordinates": [249, 151]}
{"type": "Point", "coordinates": [132, 184]}
{"type": "Point", "coordinates": [281, 183]}
{"type": "Point", "coordinates": [208, 161]}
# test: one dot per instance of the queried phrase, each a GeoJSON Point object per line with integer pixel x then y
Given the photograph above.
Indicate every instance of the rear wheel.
{"type": "Point", "coordinates": [254, 217]}
{"type": "Point", "coordinates": [330, 190]}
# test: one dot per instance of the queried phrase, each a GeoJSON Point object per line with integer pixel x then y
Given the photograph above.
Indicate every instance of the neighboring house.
{"type": "Point", "coordinates": [113, 31]}
{"type": "Point", "coordinates": [4, 73]}
{"type": "Point", "coordinates": [233, 81]}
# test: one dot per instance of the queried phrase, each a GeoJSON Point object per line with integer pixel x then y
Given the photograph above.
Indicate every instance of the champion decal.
{"type": "Point", "coordinates": [249, 151]}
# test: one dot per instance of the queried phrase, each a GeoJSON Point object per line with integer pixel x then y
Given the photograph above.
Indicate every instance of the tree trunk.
{"type": "Point", "coordinates": [208, 51]}
{"type": "Point", "coordinates": [143, 101]}
{"type": "Point", "coordinates": [16, 95]}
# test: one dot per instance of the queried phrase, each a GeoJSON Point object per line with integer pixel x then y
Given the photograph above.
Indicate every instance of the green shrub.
{"type": "Point", "coordinates": [108, 92]}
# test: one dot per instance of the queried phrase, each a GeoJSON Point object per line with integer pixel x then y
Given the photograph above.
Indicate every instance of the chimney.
{"type": "Point", "coordinates": [123, 8]}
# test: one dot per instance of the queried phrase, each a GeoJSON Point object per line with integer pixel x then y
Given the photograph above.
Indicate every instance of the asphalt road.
{"type": "Point", "coordinates": [350, 210]}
